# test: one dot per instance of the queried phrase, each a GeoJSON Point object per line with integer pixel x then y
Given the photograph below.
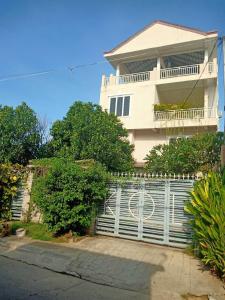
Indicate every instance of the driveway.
{"type": "Point", "coordinates": [101, 268]}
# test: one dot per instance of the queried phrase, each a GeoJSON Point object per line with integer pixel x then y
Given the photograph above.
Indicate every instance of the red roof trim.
{"type": "Point", "coordinates": [163, 23]}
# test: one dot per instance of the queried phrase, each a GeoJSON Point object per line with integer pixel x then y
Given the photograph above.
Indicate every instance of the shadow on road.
{"type": "Point", "coordinates": [105, 270]}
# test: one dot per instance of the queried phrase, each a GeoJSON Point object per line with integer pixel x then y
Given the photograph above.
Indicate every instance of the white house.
{"type": "Point", "coordinates": [165, 84]}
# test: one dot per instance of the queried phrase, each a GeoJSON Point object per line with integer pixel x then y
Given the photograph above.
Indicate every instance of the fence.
{"type": "Point", "coordinates": [149, 209]}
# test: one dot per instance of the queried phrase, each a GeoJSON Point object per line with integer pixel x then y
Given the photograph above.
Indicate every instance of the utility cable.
{"type": "Point", "coordinates": [71, 68]}
{"type": "Point", "coordinates": [203, 70]}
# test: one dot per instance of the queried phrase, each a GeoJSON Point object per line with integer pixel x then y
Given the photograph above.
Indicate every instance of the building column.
{"type": "Point", "coordinates": [158, 67]}
{"type": "Point", "coordinates": [118, 70]}
{"type": "Point", "coordinates": [206, 100]}
{"type": "Point", "coordinates": [117, 73]}
{"type": "Point", "coordinates": [206, 57]}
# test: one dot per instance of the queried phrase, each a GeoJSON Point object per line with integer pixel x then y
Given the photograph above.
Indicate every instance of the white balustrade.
{"type": "Point", "coordinates": [132, 78]}
{"type": "Point", "coordinates": [179, 71]}
{"type": "Point", "coordinates": [164, 73]}
{"type": "Point", "coordinates": [185, 114]}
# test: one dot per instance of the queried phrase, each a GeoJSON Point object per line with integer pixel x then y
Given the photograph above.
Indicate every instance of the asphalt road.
{"type": "Point", "coordinates": [19, 280]}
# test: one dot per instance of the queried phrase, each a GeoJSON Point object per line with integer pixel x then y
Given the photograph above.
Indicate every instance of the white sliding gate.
{"type": "Point", "coordinates": [150, 210]}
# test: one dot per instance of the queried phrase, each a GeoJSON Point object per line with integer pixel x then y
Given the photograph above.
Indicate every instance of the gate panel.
{"type": "Point", "coordinates": [179, 229]}
{"type": "Point", "coordinates": [129, 210]}
{"type": "Point", "coordinates": [153, 217]}
{"type": "Point", "coordinates": [107, 212]}
{"type": "Point", "coordinates": [148, 210]}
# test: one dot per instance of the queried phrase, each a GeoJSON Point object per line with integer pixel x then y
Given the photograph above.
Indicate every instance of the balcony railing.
{"type": "Point", "coordinates": [134, 77]}
{"type": "Point", "coordinates": [156, 75]}
{"type": "Point", "coordinates": [179, 71]}
{"type": "Point", "coordinates": [185, 114]}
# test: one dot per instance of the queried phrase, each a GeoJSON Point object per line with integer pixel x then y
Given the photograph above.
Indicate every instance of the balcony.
{"type": "Point", "coordinates": [160, 75]}
{"type": "Point", "coordinates": [189, 117]}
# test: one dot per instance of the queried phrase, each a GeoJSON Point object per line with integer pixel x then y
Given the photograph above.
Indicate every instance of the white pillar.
{"type": "Point", "coordinates": [118, 70]}
{"type": "Point", "coordinates": [103, 81]}
{"type": "Point", "coordinates": [206, 100]}
{"type": "Point", "coordinates": [206, 57]}
{"type": "Point", "coordinates": [158, 67]}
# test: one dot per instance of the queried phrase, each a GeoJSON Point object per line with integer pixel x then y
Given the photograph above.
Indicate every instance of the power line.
{"type": "Point", "coordinates": [72, 68]}
{"type": "Point", "coordinates": [197, 81]}
{"type": "Point", "coordinates": [25, 75]}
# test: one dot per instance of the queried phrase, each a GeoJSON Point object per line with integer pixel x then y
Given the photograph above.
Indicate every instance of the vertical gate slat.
{"type": "Point", "coordinates": [117, 216]}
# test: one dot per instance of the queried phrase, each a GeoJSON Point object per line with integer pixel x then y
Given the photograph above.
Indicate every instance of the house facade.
{"type": "Point", "coordinates": [164, 86]}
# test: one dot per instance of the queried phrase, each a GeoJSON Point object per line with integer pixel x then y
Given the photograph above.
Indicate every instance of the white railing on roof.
{"type": "Point", "coordinates": [185, 114]}
{"type": "Point", "coordinates": [180, 71]}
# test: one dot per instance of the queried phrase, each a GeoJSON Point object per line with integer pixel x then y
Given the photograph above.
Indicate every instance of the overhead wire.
{"type": "Point", "coordinates": [203, 70]}
{"type": "Point", "coordinates": [70, 68]}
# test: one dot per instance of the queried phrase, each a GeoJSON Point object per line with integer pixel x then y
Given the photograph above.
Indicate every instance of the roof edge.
{"type": "Point", "coordinates": [205, 33]}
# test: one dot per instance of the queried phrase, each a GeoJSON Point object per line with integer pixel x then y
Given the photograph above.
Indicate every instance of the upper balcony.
{"type": "Point", "coordinates": [164, 75]}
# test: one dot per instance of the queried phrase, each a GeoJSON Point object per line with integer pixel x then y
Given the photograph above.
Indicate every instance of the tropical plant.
{"type": "Point", "coordinates": [87, 132]}
{"type": "Point", "coordinates": [207, 208]}
{"type": "Point", "coordinates": [68, 194]}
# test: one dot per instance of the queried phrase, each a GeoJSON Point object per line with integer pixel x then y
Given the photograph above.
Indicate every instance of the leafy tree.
{"type": "Point", "coordinates": [87, 132]}
{"type": "Point", "coordinates": [19, 134]}
{"type": "Point", "coordinates": [199, 153]}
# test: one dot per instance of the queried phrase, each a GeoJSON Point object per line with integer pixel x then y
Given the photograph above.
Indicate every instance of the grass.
{"type": "Point", "coordinates": [40, 232]}
{"type": "Point", "coordinates": [35, 231]}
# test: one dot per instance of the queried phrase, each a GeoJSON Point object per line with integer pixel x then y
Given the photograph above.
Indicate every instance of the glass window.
{"type": "Point", "coordinates": [119, 107]}
{"type": "Point", "coordinates": [112, 109]}
{"type": "Point", "coordinates": [126, 106]}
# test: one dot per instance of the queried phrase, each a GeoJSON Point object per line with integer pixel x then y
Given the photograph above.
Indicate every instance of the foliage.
{"type": "Point", "coordinates": [10, 177]}
{"type": "Point", "coordinates": [68, 193]}
{"type": "Point", "coordinates": [20, 137]}
{"type": "Point", "coordinates": [186, 155]}
{"type": "Point", "coordinates": [169, 106]}
{"type": "Point", "coordinates": [207, 208]}
{"type": "Point", "coordinates": [87, 132]}
{"type": "Point", "coordinates": [34, 230]}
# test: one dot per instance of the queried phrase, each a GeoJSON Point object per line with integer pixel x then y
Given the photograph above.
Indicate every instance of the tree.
{"type": "Point", "coordinates": [19, 134]}
{"type": "Point", "coordinates": [87, 132]}
{"type": "Point", "coordinates": [198, 153]}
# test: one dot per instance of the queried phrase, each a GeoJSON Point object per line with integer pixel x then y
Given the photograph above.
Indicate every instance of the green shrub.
{"type": "Point", "coordinates": [198, 153]}
{"type": "Point", "coordinates": [68, 193]}
{"type": "Point", "coordinates": [10, 178]}
{"type": "Point", "coordinates": [208, 210]}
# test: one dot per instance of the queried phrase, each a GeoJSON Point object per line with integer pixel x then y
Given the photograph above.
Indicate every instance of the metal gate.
{"type": "Point", "coordinates": [147, 210]}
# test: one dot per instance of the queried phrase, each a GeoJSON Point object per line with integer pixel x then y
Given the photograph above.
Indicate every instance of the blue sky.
{"type": "Point", "coordinates": [55, 34]}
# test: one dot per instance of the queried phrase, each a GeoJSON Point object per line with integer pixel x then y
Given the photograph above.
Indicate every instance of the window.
{"type": "Point", "coordinates": [120, 106]}
{"type": "Point", "coordinates": [175, 138]}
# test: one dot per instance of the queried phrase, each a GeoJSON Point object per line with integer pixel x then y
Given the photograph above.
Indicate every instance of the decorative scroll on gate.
{"type": "Point", "coordinates": [147, 210]}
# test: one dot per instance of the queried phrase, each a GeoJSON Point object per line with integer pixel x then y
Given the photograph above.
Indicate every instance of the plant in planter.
{"type": "Point", "coordinates": [170, 106]}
